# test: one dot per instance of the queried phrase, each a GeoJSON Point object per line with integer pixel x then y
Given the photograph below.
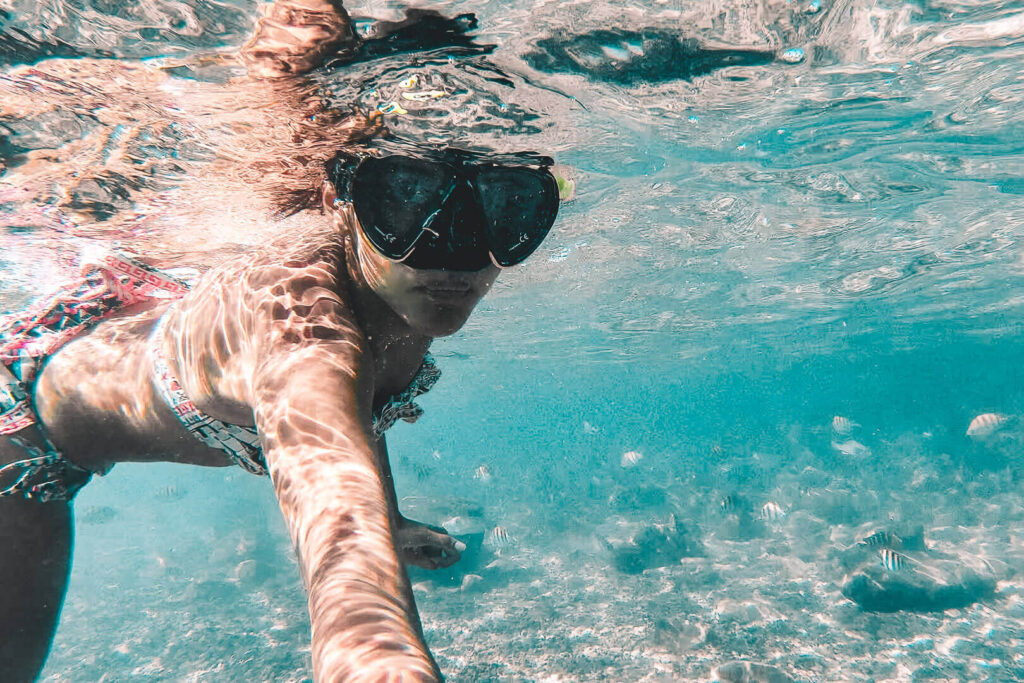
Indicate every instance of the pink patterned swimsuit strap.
{"type": "Point", "coordinates": [242, 444]}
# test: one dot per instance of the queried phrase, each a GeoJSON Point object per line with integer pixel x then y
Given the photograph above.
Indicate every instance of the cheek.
{"type": "Point", "coordinates": [392, 281]}
{"type": "Point", "coordinates": [376, 271]}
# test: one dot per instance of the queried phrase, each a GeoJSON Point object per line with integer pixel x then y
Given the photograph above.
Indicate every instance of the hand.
{"type": "Point", "coordinates": [294, 36]}
{"type": "Point", "coordinates": [425, 546]}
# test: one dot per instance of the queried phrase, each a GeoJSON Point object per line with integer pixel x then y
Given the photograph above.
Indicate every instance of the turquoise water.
{"type": "Point", "coordinates": [833, 229]}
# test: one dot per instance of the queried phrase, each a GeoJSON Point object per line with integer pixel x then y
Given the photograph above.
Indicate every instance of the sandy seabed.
{"type": "Point", "coordinates": [552, 606]}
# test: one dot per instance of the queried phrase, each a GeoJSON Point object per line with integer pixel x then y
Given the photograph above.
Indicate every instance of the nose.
{"type": "Point", "coordinates": [465, 226]}
{"type": "Point", "coordinates": [454, 240]}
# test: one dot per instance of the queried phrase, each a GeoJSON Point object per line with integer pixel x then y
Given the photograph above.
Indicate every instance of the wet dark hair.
{"type": "Point", "coordinates": [291, 202]}
{"type": "Point", "coordinates": [303, 190]}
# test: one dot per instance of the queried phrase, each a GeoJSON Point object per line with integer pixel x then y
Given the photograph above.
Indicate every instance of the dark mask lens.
{"type": "Point", "coordinates": [394, 197]}
{"type": "Point", "coordinates": [454, 240]}
{"type": "Point", "coordinates": [519, 206]}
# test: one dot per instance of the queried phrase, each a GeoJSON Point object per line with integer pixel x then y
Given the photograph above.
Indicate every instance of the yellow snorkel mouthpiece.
{"type": "Point", "coordinates": [565, 177]}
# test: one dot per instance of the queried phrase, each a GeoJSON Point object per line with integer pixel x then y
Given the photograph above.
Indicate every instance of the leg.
{"type": "Point", "coordinates": [35, 556]}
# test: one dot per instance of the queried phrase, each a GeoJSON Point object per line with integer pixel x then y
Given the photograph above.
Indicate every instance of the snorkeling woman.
{"type": "Point", "coordinates": [291, 360]}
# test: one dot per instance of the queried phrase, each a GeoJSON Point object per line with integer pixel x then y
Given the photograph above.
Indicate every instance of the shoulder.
{"type": "Point", "coordinates": [300, 278]}
{"type": "Point", "coordinates": [304, 256]}
{"type": "Point", "coordinates": [297, 294]}
{"type": "Point", "coordinates": [291, 290]}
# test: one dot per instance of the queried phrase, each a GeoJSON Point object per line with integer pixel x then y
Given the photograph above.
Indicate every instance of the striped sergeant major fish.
{"type": "Point", "coordinates": [892, 560]}
{"type": "Point", "coordinates": [843, 425]}
{"type": "Point", "coordinates": [631, 458]}
{"type": "Point", "coordinates": [733, 504]}
{"type": "Point", "coordinates": [883, 539]}
{"type": "Point", "coordinates": [499, 539]}
{"type": "Point", "coordinates": [772, 512]}
{"type": "Point", "coordinates": [986, 424]}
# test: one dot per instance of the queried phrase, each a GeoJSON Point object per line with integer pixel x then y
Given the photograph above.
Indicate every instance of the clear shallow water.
{"type": "Point", "coordinates": [752, 251]}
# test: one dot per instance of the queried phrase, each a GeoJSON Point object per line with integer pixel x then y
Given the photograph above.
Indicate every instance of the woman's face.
{"type": "Point", "coordinates": [434, 303]}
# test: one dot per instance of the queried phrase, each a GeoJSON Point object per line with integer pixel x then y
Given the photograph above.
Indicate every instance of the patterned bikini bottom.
{"type": "Point", "coordinates": [108, 283]}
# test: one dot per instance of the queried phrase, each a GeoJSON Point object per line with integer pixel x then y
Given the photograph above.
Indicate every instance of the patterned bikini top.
{"type": "Point", "coordinates": [110, 281]}
{"type": "Point", "coordinates": [242, 443]}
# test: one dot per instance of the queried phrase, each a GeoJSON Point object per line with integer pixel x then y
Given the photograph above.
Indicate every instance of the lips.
{"type": "Point", "coordinates": [448, 292]}
{"type": "Point", "coordinates": [447, 286]}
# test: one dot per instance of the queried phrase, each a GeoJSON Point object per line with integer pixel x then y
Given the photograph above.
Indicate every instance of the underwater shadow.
{"type": "Point", "coordinates": [632, 56]}
{"type": "Point", "coordinates": [421, 31]}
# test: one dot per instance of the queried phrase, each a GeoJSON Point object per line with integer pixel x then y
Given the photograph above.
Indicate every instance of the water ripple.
{"type": "Point", "coordinates": [884, 167]}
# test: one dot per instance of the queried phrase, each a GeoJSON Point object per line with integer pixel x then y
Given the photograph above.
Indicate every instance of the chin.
{"type": "Point", "coordinates": [441, 321]}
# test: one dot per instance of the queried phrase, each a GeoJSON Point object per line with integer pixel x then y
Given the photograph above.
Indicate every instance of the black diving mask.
{"type": "Point", "coordinates": [450, 209]}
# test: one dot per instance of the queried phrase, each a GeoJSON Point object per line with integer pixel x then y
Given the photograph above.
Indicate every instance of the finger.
{"type": "Point", "coordinates": [438, 555]}
{"type": "Point", "coordinates": [452, 545]}
{"type": "Point", "coordinates": [420, 558]}
{"type": "Point", "coordinates": [451, 553]}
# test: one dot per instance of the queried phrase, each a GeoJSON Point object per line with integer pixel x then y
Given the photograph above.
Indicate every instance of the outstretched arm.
{"type": "Point", "coordinates": [313, 407]}
{"type": "Point", "coordinates": [293, 37]}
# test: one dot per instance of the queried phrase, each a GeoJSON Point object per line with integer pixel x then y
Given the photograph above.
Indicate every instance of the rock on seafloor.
{"type": "Point", "coordinates": [751, 672]}
{"type": "Point", "coordinates": [926, 582]}
{"type": "Point", "coordinates": [637, 545]}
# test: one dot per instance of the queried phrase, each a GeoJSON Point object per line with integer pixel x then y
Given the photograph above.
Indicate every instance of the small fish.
{"type": "Point", "coordinates": [589, 428]}
{"type": "Point", "coordinates": [483, 473]}
{"type": "Point", "coordinates": [499, 539]}
{"type": "Point", "coordinates": [630, 459]}
{"type": "Point", "coordinates": [409, 82]}
{"type": "Point", "coordinates": [883, 539]}
{"type": "Point", "coordinates": [892, 560]}
{"type": "Point", "coordinates": [842, 425]}
{"type": "Point", "coordinates": [732, 504]}
{"type": "Point", "coordinates": [852, 448]}
{"type": "Point", "coordinates": [424, 95]}
{"type": "Point", "coordinates": [170, 493]}
{"type": "Point", "coordinates": [986, 424]}
{"type": "Point", "coordinates": [98, 514]}
{"type": "Point", "coordinates": [772, 512]}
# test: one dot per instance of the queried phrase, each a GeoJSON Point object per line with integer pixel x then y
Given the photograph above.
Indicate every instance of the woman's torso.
{"type": "Point", "coordinates": [96, 395]}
